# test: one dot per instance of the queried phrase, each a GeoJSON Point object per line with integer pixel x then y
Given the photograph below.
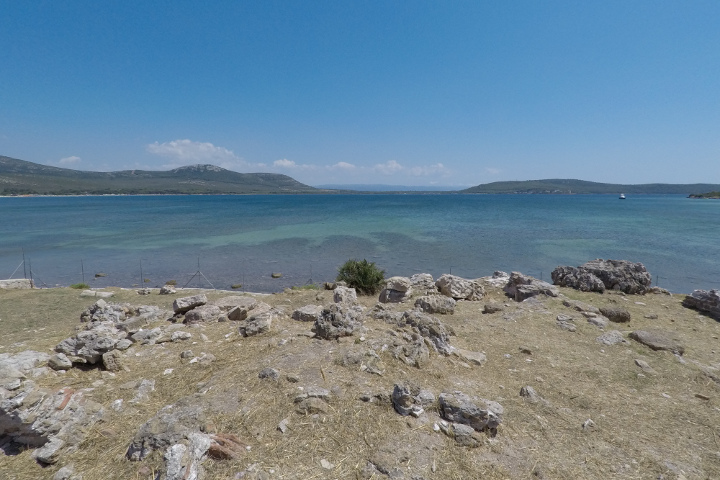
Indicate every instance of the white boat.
{"type": "Point", "coordinates": [622, 196]}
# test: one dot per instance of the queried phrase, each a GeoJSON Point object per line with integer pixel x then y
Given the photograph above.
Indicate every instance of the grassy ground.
{"type": "Point", "coordinates": [646, 425]}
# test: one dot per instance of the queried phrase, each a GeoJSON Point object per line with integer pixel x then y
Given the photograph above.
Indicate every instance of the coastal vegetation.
{"type": "Point", "coordinates": [715, 194]}
{"type": "Point", "coordinates": [363, 276]}
{"type": "Point", "coordinates": [567, 186]}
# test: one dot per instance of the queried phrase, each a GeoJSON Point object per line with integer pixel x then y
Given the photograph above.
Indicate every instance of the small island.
{"type": "Point", "coordinates": [715, 195]}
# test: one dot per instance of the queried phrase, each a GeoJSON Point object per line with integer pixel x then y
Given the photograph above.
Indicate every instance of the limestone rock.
{"type": "Point", "coordinates": [616, 314]}
{"type": "Point", "coordinates": [337, 320]}
{"type": "Point", "coordinates": [521, 287]}
{"type": "Point", "coordinates": [705, 301]}
{"type": "Point", "coordinates": [658, 340]}
{"type": "Point", "coordinates": [59, 361]}
{"type": "Point", "coordinates": [308, 313]}
{"type": "Point", "coordinates": [171, 425]}
{"type": "Point", "coordinates": [430, 328]}
{"type": "Point", "coordinates": [598, 320]}
{"type": "Point", "coordinates": [202, 314]}
{"type": "Point", "coordinates": [89, 345]}
{"type": "Point", "coordinates": [414, 353]}
{"type": "Point", "coordinates": [258, 324]}
{"type": "Point", "coordinates": [344, 295]}
{"type": "Point", "coordinates": [409, 399]}
{"type": "Point", "coordinates": [578, 279]}
{"type": "Point", "coordinates": [613, 337]}
{"type": "Point", "coordinates": [580, 306]}
{"type": "Point", "coordinates": [436, 304]}
{"type": "Point", "coordinates": [473, 358]}
{"type": "Point", "coordinates": [492, 307]}
{"type": "Point", "coordinates": [423, 282]}
{"type": "Point", "coordinates": [397, 289]}
{"type": "Point", "coordinates": [185, 304]}
{"type": "Point", "coordinates": [112, 361]}
{"type": "Point", "coordinates": [167, 290]}
{"type": "Point", "coordinates": [619, 275]}
{"type": "Point", "coordinates": [459, 408]}
{"type": "Point", "coordinates": [459, 288]}
{"type": "Point", "coordinates": [16, 284]}
{"type": "Point", "coordinates": [498, 279]}
{"type": "Point", "coordinates": [243, 302]}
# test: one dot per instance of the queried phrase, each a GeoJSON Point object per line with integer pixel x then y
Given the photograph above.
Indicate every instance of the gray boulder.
{"type": "Point", "coordinates": [337, 320]}
{"type": "Point", "coordinates": [258, 324]}
{"type": "Point", "coordinates": [460, 288]}
{"type": "Point", "coordinates": [243, 302]}
{"type": "Point", "coordinates": [397, 289]}
{"type": "Point", "coordinates": [203, 314]}
{"type": "Point", "coordinates": [423, 282]}
{"type": "Point", "coordinates": [344, 295]}
{"type": "Point", "coordinates": [185, 304]}
{"type": "Point", "coordinates": [171, 425]}
{"type": "Point", "coordinates": [705, 301]}
{"type": "Point", "coordinates": [430, 328]}
{"type": "Point", "coordinates": [436, 304]}
{"type": "Point", "coordinates": [521, 287]}
{"type": "Point", "coordinates": [409, 399]}
{"type": "Point", "coordinates": [414, 353]}
{"type": "Point", "coordinates": [88, 346]}
{"type": "Point", "coordinates": [308, 313]}
{"type": "Point", "coordinates": [59, 361]}
{"type": "Point", "coordinates": [167, 290]}
{"type": "Point", "coordinates": [578, 279]}
{"type": "Point", "coordinates": [613, 337]}
{"type": "Point", "coordinates": [482, 415]}
{"type": "Point", "coordinates": [658, 340]}
{"type": "Point", "coordinates": [619, 275]}
{"type": "Point", "coordinates": [616, 314]}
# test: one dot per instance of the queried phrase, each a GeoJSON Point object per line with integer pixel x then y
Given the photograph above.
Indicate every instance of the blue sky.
{"type": "Point", "coordinates": [391, 92]}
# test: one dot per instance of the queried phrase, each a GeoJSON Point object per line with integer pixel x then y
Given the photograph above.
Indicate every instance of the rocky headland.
{"type": "Point", "coordinates": [598, 375]}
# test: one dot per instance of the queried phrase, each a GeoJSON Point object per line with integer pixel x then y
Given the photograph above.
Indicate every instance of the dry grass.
{"type": "Point", "coordinates": [645, 425]}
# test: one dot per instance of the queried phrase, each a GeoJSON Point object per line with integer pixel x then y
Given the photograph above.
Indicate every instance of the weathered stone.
{"type": "Point", "coordinates": [492, 307]}
{"type": "Point", "coordinates": [311, 405]}
{"type": "Point", "coordinates": [423, 282]}
{"type": "Point", "coordinates": [243, 302]}
{"type": "Point", "coordinates": [430, 328]}
{"type": "Point", "coordinates": [202, 314]}
{"type": "Point", "coordinates": [578, 279]}
{"type": "Point", "coordinates": [308, 313]}
{"type": "Point", "coordinates": [529, 394]}
{"type": "Point", "coordinates": [97, 294]}
{"type": "Point", "coordinates": [616, 314]}
{"type": "Point", "coordinates": [336, 320]}
{"type": "Point", "coordinates": [658, 340]}
{"type": "Point", "coordinates": [146, 337]}
{"type": "Point", "coordinates": [269, 373]}
{"type": "Point", "coordinates": [170, 426]}
{"type": "Point", "coordinates": [414, 353]}
{"type": "Point", "coordinates": [705, 301]}
{"type": "Point", "coordinates": [436, 304]}
{"type": "Point", "coordinates": [580, 306]}
{"type": "Point", "coordinates": [185, 304]}
{"type": "Point", "coordinates": [460, 288]}
{"type": "Point", "coordinates": [644, 366]}
{"type": "Point", "coordinates": [89, 345]}
{"type": "Point", "coordinates": [50, 452]}
{"type": "Point", "coordinates": [185, 462]}
{"type": "Point", "coordinates": [16, 284]}
{"type": "Point", "coordinates": [258, 324]}
{"type": "Point", "coordinates": [619, 275]}
{"type": "Point", "coordinates": [225, 446]}
{"type": "Point", "coordinates": [167, 290]}
{"type": "Point", "coordinates": [599, 321]}
{"type": "Point", "coordinates": [459, 408]}
{"type": "Point", "coordinates": [144, 389]}
{"type": "Point", "coordinates": [409, 399]}
{"type": "Point", "coordinates": [180, 336]}
{"type": "Point", "coordinates": [473, 358]}
{"type": "Point", "coordinates": [344, 295]}
{"type": "Point", "coordinates": [521, 287]}
{"type": "Point", "coordinates": [59, 361]}
{"type": "Point", "coordinates": [498, 279]}
{"type": "Point", "coordinates": [613, 337]}
{"type": "Point", "coordinates": [112, 361]}
{"type": "Point", "coordinates": [464, 435]}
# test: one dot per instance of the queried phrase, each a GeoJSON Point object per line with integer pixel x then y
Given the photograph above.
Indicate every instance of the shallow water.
{"type": "Point", "coordinates": [243, 239]}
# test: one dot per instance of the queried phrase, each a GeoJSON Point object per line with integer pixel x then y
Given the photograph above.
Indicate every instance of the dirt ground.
{"type": "Point", "coordinates": [645, 425]}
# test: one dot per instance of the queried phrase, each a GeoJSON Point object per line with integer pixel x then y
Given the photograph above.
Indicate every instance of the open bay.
{"type": "Point", "coordinates": [244, 239]}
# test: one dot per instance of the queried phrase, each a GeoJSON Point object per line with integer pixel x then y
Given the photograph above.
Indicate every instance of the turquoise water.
{"type": "Point", "coordinates": [243, 239]}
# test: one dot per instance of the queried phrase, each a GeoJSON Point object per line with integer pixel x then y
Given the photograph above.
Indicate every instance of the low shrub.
{"type": "Point", "coordinates": [365, 277]}
{"type": "Point", "coordinates": [80, 286]}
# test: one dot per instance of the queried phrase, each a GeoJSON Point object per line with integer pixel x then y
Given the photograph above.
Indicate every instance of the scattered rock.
{"type": "Point", "coordinates": [521, 287]}
{"type": "Point", "coordinates": [622, 275]}
{"type": "Point", "coordinates": [705, 301]}
{"type": "Point", "coordinates": [460, 288]}
{"type": "Point", "coordinates": [337, 320]}
{"type": "Point", "coordinates": [658, 340]}
{"type": "Point", "coordinates": [436, 304]}
{"type": "Point", "coordinates": [459, 408]}
{"type": "Point", "coordinates": [202, 314]}
{"type": "Point", "coordinates": [171, 425]}
{"type": "Point", "coordinates": [59, 361]}
{"type": "Point", "coordinates": [613, 337]}
{"type": "Point", "coordinates": [644, 366]}
{"type": "Point", "coordinates": [88, 346]}
{"type": "Point", "coordinates": [530, 395]}
{"type": "Point", "coordinates": [308, 313]}
{"type": "Point", "coordinates": [269, 373]}
{"type": "Point", "coordinates": [616, 314]}
{"type": "Point", "coordinates": [409, 399]}
{"type": "Point", "coordinates": [493, 307]}
{"type": "Point", "coordinates": [397, 289]}
{"type": "Point", "coordinates": [580, 306]}
{"type": "Point", "coordinates": [167, 290]}
{"type": "Point", "coordinates": [473, 358]}
{"type": "Point", "coordinates": [112, 361]}
{"type": "Point", "coordinates": [578, 279]}
{"type": "Point", "coordinates": [423, 282]}
{"type": "Point", "coordinates": [344, 295]}
{"type": "Point", "coordinates": [599, 321]}
{"type": "Point", "coordinates": [498, 279]}
{"type": "Point", "coordinates": [185, 304]}
{"type": "Point", "coordinates": [430, 328]}
{"type": "Point", "coordinates": [258, 324]}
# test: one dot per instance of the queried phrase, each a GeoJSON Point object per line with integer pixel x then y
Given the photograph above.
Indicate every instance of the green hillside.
{"type": "Point", "coordinates": [19, 177]}
{"type": "Point", "coordinates": [564, 186]}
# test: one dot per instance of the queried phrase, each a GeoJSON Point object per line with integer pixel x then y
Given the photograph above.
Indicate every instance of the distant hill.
{"type": "Point", "coordinates": [564, 186]}
{"type": "Point", "coordinates": [19, 177]}
{"type": "Point", "coordinates": [714, 195]}
{"type": "Point", "coordinates": [377, 187]}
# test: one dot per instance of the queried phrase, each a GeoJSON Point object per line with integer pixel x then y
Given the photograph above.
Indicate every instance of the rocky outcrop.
{"type": "Point", "coordinates": [460, 288]}
{"type": "Point", "coordinates": [397, 289]}
{"type": "Point", "coordinates": [578, 279]}
{"type": "Point", "coordinates": [337, 320]}
{"type": "Point", "coordinates": [705, 301]}
{"type": "Point", "coordinates": [259, 323]}
{"type": "Point", "coordinates": [88, 346]}
{"type": "Point", "coordinates": [616, 314]}
{"type": "Point", "coordinates": [521, 287]}
{"type": "Point", "coordinates": [203, 314]}
{"type": "Point", "coordinates": [409, 399]}
{"type": "Point", "coordinates": [498, 279]}
{"type": "Point", "coordinates": [344, 295]}
{"type": "Point", "coordinates": [619, 275]}
{"type": "Point", "coordinates": [423, 283]}
{"type": "Point", "coordinates": [171, 425]}
{"type": "Point", "coordinates": [482, 415]}
{"type": "Point", "coordinates": [185, 304]}
{"type": "Point", "coordinates": [15, 284]}
{"type": "Point", "coordinates": [430, 328]}
{"type": "Point", "coordinates": [308, 313]}
{"type": "Point", "coordinates": [436, 304]}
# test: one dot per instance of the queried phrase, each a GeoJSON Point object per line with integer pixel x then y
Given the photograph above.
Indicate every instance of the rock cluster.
{"type": "Point", "coordinates": [707, 301]}
{"type": "Point", "coordinates": [599, 275]}
{"type": "Point", "coordinates": [521, 287]}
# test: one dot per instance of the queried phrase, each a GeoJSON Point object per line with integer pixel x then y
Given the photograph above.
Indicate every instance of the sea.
{"type": "Point", "coordinates": [225, 240]}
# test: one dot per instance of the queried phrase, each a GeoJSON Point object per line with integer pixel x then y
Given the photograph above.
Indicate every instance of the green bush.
{"type": "Point", "coordinates": [363, 276]}
{"type": "Point", "coordinates": [80, 286]}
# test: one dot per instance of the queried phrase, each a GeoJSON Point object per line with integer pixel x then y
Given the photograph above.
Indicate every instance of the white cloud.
{"type": "Point", "coordinates": [423, 171]}
{"type": "Point", "coordinates": [70, 160]}
{"type": "Point", "coordinates": [342, 166]}
{"type": "Point", "coordinates": [388, 168]}
{"type": "Point", "coordinates": [290, 164]}
{"type": "Point", "coordinates": [392, 167]}
{"type": "Point", "coordinates": [187, 152]}
{"type": "Point", "coordinates": [492, 171]}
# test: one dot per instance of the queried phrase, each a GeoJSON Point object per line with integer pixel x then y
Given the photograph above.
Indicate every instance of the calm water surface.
{"type": "Point", "coordinates": [243, 239]}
